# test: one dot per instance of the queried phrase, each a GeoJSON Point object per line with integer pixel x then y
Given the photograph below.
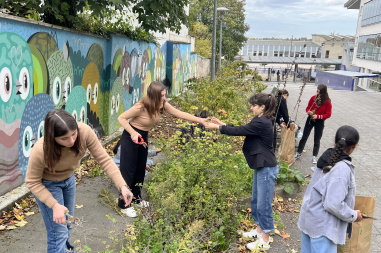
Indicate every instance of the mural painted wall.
{"type": "Point", "coordinates": [93, 78]}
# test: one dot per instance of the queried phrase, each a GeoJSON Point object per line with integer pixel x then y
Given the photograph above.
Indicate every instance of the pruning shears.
{"type": "Point", "coordinates": [73, 221]}
{"type": "Point", "coordinates": [364, 216]}
{"type": "Point", "coordinates": [142, 142]}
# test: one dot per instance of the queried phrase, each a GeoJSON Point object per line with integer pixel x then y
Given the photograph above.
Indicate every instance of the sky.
{"type": "Point", "coordinates": [299, 18]}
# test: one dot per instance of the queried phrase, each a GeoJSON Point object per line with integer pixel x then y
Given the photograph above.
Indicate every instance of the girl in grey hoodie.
{"type": "Point", "coordinates": [327, 209]}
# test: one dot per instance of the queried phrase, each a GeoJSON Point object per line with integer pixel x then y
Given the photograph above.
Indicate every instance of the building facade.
{"type": "Point", "coordinates": [367, 52]}
{"type": "Point", "coordinates": [336, 46]}
{"type": "Point", "coordinates": [281, 48]}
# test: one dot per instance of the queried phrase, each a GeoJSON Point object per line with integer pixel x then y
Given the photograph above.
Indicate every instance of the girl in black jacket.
{"type": "Point", "coordinates": [259, 154]}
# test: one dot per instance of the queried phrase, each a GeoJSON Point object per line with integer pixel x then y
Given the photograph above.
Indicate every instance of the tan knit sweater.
{"type": "Point", "coordinates": [38, 170]}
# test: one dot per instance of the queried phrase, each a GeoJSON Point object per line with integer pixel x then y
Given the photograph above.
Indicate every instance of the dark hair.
{"type": "Point", "coordinates": [268, 100]}
{"type": "Point", "coordinates": [345, 138]}
{"type": "Point", "coordinates": [58, 122]}
{"type": "Point", "coordinates": [323, 95]}
{"type": "Point", "coordinates": [204, 114]}
{"type": "Point", "coordinates": [283, 92]}
{"type": "Point", "coordinates": [152, 102]}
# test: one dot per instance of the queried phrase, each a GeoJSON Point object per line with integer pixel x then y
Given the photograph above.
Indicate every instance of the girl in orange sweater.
{"type": "Point", "coordinates": [50, 173]}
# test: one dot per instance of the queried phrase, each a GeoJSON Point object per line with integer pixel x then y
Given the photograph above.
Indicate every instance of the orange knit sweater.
{"type": "Point", "coordinates": [38, 170]}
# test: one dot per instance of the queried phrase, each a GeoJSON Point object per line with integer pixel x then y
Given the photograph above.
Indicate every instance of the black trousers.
{"type": "Point", "coordinates": [318, 124]}
{"type": "Point", "coordinates": [133, 159]}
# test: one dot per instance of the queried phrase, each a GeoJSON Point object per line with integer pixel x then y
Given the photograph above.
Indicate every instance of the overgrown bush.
{"type": "Point", "coordinates": [195, 194]}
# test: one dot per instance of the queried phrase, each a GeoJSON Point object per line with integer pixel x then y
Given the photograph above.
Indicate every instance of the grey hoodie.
{"type": "Point", "coordinates": [328, 203]}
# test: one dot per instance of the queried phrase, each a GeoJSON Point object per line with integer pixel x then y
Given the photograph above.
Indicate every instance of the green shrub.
{"type": "Point", "coordinates": [289, 175]}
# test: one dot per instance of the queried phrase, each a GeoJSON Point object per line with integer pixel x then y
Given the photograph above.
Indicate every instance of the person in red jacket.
{"type": "Point", "coordinates": [319, 109]}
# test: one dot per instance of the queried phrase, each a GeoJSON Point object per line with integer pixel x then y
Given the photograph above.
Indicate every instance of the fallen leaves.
{"type": "Point", "coordinates": [282, 234]}
{"type": "Point", "coordinates": [16, 217]}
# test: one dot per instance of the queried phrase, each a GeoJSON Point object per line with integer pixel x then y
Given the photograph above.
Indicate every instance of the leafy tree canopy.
{"type": "Point", "coordinates": [233, 29]}
{"type": "Point", "coordinates": [156, 16]}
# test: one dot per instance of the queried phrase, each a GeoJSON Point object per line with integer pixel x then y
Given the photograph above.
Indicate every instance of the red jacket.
{"type": "Point", "coordinates": [323, 112]}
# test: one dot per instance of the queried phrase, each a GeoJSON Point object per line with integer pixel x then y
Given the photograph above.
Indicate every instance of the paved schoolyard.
{"type": "Point", "coordinates": [362, 110]}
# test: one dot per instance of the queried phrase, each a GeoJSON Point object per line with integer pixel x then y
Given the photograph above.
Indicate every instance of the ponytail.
{"type": "Point", "coordinates": [346, 137]}
{"type": "Point", "coordinates": [338, 150]}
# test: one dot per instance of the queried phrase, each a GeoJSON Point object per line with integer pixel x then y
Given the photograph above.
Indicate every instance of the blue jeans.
{"type": "Point", "coordinates": [317, 245]}
{"type": "Point", "coordinates": [58, 234]}
{"type": "Point", "coordinates": [263, 193]}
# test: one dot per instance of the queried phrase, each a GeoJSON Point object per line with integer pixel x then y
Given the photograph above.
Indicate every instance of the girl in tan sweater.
{"type": "Point", "coordinates": [137, 121]}
{"type": "Point", "coordinates": [50, 173]}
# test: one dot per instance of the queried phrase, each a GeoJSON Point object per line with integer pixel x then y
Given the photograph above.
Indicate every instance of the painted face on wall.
{"type": "Point", "coordinates": [61, 78]}
{"type": "Point", "coordinates": [159, 65]}
{"type": "Point", "coordinates": [32, 127]}
{"type": "Point", "coordinates": [134, 63]}
{"type": "Point", "coordinates": [16, 72]}
{"type": "Point", "coordinates": [116, 105]}
{"type": "Point", "coordinates": [16, 89]}
{"type": "Point", "coordinates": [125, 72]}
{"type": "Point", "coordinates": [90, 82]}
{"type": "Point", "coordinates": [77, 104]}
{"type": "Point", "coordinates": [144, 65]}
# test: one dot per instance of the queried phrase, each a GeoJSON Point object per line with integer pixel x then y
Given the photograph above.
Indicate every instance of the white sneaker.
{"type": "Point", "coordinates": [314, 159]}
{"type": "Point", "coordinates": [142, 204]}
{"type": "Point", "coordinates": [130, 212]}
{"type": "Point", "coordinates": [297, 155]}
{"type": "Point", "coordinates": [258, 246]}
{"type": "Point", "coordinates": [252, 234]}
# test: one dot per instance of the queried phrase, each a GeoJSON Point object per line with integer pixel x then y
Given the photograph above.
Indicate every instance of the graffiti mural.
{"type": "Point", "coordinates": [16, 88]}
{"type": "Point", "coordinates": [94, 79]}
{"type": "Point", "coordinates": [32, 127]}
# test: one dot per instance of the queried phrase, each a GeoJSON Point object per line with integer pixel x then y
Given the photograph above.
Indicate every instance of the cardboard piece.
{"type": "Point", "coordinates": [361, 238]}
{"type": "Point", "coordinates": [286, 151]}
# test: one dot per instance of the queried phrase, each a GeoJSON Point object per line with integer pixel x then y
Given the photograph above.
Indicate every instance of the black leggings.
{"type": "Point", "coordinates": [133, 159]}
{"type": "Point", "coordinates": [318, 133]}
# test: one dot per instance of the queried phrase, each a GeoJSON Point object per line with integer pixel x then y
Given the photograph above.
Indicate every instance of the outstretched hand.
{"type": "Point", "coordinates": [210, 125]}
{"type": "Point", "coordinates": [216, 121]}
{"type": "Point", "coordinates": [127, 195]}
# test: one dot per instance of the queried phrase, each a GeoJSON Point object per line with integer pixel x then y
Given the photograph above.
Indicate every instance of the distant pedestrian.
{"type": "Point", "coordinates": [260, 156]}
{"type": "Point", "coordinates": [327, 209]}
{"type": "Point", "coordinates": [319, 109]}
{"type": "Point", "coordinates": [278, 76]}
{"type": "Point", "coordinates": [50, 173]}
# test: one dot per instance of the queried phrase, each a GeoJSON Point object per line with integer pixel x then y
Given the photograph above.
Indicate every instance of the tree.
{"type": "Point", "coordinates": [234, 26]}
{"type": "Point", "coordinates": [203, 39]}
{"type": "Point", "coordinates": [151, 15]}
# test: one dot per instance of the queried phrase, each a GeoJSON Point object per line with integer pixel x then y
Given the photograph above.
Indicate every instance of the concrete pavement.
{"type": "Point", "coordinates": [358, 109]}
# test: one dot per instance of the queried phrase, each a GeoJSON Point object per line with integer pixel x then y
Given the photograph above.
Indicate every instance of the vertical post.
{"type": "Point", "coordinates": [213, 63]}
{"type": "Point", "coordinates": [219, 60]}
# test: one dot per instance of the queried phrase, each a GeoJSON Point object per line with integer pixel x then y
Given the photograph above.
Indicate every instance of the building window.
{"type": "Point", "coordinates": [326, 53]}
{"type": "Point", "coordinates": [371, 13]}
{"type": "Point", "coordinates": [255, 53]}
{"type": "Point", "coordinates": [340, 57]}
{"type": "Point", "coordinates": [369, 47]}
